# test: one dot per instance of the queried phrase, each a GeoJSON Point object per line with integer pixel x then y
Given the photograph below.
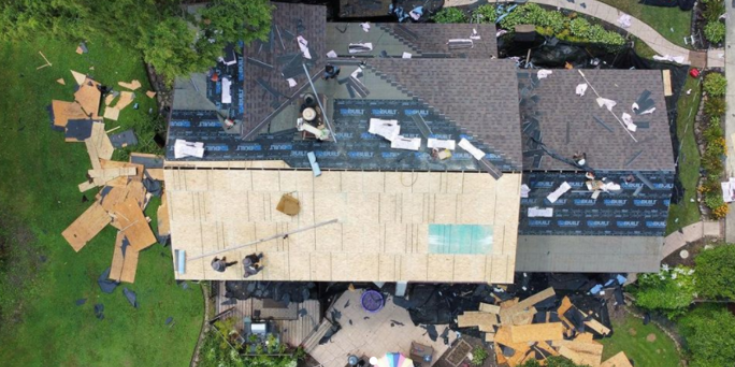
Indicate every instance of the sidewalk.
{"type": "Point", "coordinates": [690, 233]}
{"type": "Point", "coordinates": [730, 115]}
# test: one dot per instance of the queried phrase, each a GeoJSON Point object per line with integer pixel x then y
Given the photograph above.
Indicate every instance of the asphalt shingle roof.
{"type": "Point", "coordinates": [567, 124]}
{"type": "Point", "coordinates": [479, 96]}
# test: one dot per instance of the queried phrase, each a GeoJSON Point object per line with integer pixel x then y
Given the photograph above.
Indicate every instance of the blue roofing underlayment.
{"type": "Point", "coordinates": [640, 208]}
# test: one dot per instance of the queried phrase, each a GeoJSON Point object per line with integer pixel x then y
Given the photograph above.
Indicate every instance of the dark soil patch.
{"type": "Point", "coordinates": [19, 261]}
{"type": "Point", "coordinates": [694, 248]}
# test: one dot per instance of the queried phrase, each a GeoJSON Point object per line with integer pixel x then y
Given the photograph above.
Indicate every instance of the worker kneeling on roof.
{"type": "Point", "coordinates": [251, 263]}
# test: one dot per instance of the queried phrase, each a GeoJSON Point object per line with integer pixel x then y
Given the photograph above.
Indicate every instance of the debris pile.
{"type": "Point", "coordinates": [126, 187]}
{"type": "Point", "coordinates": [538, 327]}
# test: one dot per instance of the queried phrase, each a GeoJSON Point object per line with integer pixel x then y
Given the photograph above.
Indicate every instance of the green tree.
{"type": "Point", "coordinates": [715, 84]}
{"type": "Point", "coordinates": [172, 40]}
{"type": "Point", "coordinates": [715, 272]}
{"type": "Point", "coordinates": [709, 332]}
{"type": "Point", "coordinates": [450, 15]}
{"type": "Point", "coordinates": [487, 13]}
{"type": "Point", "coordinates": [670, 291]}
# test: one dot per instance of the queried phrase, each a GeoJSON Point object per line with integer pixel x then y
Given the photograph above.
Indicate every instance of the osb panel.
{"type": "Point", "coordinates": [329, 238]}
{"type": "Point", "coordinates": [399, 182]}
{"type": "Point", "coordinates": [321, 266]}
{"type": "Point", "coordinates": [360, 208]}
{"type": "Point", "coordinates": [477, 207]}
{"type": "Point", "coordinates": [259, 207]}
{"type": "Point", "coordinates": [230, 205]}
{"type": "Point", "coordinates": [328, 182]}
{"type": "Point", "coordinates": [196, 180]}
{"type": "Point", "coordinates": [390, 208]}
{"type": "Point", "coordinates": [305, 181]}
{"type": "Point", "coordinates": [276, 266]}
{"type": "Point", "coordinates": [372, 239]}
{"type": "Point", "coordinates": [480, 182]}
{"type": "Point", "coordinates": [414, 267]}
{"type": "Point", "coordinates": [394, 238]}
{"type": "Point", "coordinates": [346, 267]}
{"type": "Point", "coordinates": [238, 180]}
{"type": "Point", "coordinates": [299, 265]}
{"type": "Point", "coordinates": [422, 238]}
{"type": "Point", "coordinates": [240, 233]}
{"type": "Point", "coordinates": [454, 182]}
{"type": "Point", "coordinates": [373, 181]}
{"type": "Point", "coordinates": [499, 268]}
{"type": "Point", "coordinates": [439, 267]}
{"type": "Point", "coordinates": [302, 242]}
{"type": "Point", "coordinates": [205, 204]}
{"type": "Point", "coordinates": [182, 205]}
{"type": "Point", "coordinates": [422, 183]}
{"type": "Point", "coordinates": [265, 180]}
{"type": "Point", "coordinates": [225, 164]}
{"type": "Point", "coordinates": [288, 181]}
{"type": "Point", "coordinates": [511, 239]}
{"type": "Point", "coordinates": [308, 210]}
{"type": "Point", "coordinates": [329, 205]}
{"type": "Point", "coordinates": [445, 208]}
{"type": "Point", "coordinates": [388, 268]}
{"type": "Point", "coordinates": [489, 270]}
{"type": "Point", "coordinates": [352, 182]}
{"type": "Point", "coordinates": [499, 244]}
{"type": "Point", "coordinates": [414, 208]}
{"type": "Point", "coordinates": [353, 235]}
{"type": "Point", "coordinates": [469, 268]}
{"type": "Point", "coordinates": [213, 234]}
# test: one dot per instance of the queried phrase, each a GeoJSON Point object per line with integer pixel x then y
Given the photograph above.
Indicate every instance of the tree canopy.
{"type": "Point", "coordinates": [670, 291]}
{"type": "Point", "coordinates": [715, 272]}
{"type": "Point", "coordinates": [709, 332]}
{"type": "Point", "coordinates": [171, 39]}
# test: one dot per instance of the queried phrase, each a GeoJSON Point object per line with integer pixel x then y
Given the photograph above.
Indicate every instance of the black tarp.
{"type": "Point", "coordinates": [107, 285]}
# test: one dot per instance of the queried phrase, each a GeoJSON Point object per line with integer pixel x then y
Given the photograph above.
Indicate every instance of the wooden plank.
{"type": "Point", "coordinates": [89, 97]}
{"type": "Point", "coordinates": [126, 98]}
{"type": "Point", "coordinates": [486, 307]}
{"type": "Point", "coordinates": [618, 360]}
{"type": "Point", "coordinates": [129, 216]}
{"type": "Point", "coordinates": [595, 325]}
{"type": "Point", "coordinates": [544, 346]}
{"type": "Point", "coordinates": [579, 346]}
{"type": "Point", "coordinates": [92, 152]}
{"type": "Point", "coordinates": [110, 173]}
{"type": "Point", "coordinates": [155, 173]}
{"type": "Point", "coordinates": [133, 85]}
{"type": "Point", "coordinates": [485, 321]}
{"type": "Point", "coordinates": [582, 357]}
{"type": "Point", "coordinates": [537, 332]}
{"type": "Point", "coordinates": [113, 196]}
{"type": "Point", "coordinates": [164, 223]}
{"type": "Point", "coordinates": [86, 185]}
{"type": "Point", "coordinates": [584, 337]}
{"type": "Point", "coordinates": [86, 226]}
{"type": "Point", "coordinates": [101, 141]}
{"type": "Point", "coordinates": [489, 337]}
{"type": "Point", "coordinates": [566, 304]}
{"type": "Point", "coordinates": [667, 83]}
{"type": "Point", "coordinates": [524, 317]}
{"type": "Point", "coordinates": [124, 266]}
{"type": "Point", "coordinates": [64, 111]}
{"type": "Point", "coordinates": [111, 113]}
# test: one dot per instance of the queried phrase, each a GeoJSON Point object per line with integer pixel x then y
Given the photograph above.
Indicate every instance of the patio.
{"type": "Point", "coordinates": [368, 335]}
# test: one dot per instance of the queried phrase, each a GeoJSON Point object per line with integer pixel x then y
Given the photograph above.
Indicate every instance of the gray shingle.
{"type": "Point", "coordinates": [568, 124]}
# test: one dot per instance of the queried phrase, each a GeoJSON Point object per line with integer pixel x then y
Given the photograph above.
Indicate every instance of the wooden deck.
{"type": "Point", "coordinates": [292, 328]}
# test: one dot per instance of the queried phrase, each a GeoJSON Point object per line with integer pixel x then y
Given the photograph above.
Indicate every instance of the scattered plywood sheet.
{"type": "Point", "coordinates": [584, 337]}
{"type": "Point", "coordinates": [110, 173]}
{"type": "Point", "coordinates": [618, 360]}
{"type": "Point", "coordinates": [86, 185]}
{"type": "Point", "coordinates": [78, 77]}
{"type": "Point", "coordinates": [61, 81]}
{"type": "Point", "coordinates": [595, 325]}
{"type": "Point", "coordinates": [593, 359]}
{"type": "Point", "coordinates": [486, 307]}
{"type": "Point", "coordinates": [126, 98]}
{"type": "Point", "coordinates": [536, 332]}
{"type": "Point", "coordinates": [523, 317]}
{"type": "Point", "coordinates": [485, 321]}
{"type": "Point", "coordinates": [489, 337]}
{"type": "Point", "coordinates": [150, 94]}
{"type": "Point", "coordinates": [135, 84]}
{"type": "Point", "coordinates": [124, 261]}
{"type": "Point", "coordinates": [89, 97]}
{"type": "Point", "coordinates": [667, 83]}
{"type": "Point", "coordinates": [164, 224]}
{"type": "Point", "coordinates": [86, 226]}
{"type": "Point", "coordinates": [129, 215]}
{"type": "Point", "coordinates": [64, 111]}
{"type": "Point", "coordinates": [544, 346]}
{"type": "Point", "coordinates": [101, 141]}
{"type": "Point", "coordinates": [123, 181]}
{"type": "Point", "coordinates": [155, 173]}
{"type": "Point", "coordinates": [112, 113]}
{"type": "Point", "coordinates": [109, 98]}
{"type": "Point", "coordinates": [109, 196]}
{"type": "Point", "coordinates": [92, 152]}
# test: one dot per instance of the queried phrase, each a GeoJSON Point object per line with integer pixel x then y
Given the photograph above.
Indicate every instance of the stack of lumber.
{"type": "Point", "coordinates": [519, 332]}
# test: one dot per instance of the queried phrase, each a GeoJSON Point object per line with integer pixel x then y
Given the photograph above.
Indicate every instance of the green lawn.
{"type": "Point", "coordinates": [686, 211]}
{"type": "Point", "coordinates": [41, 277]}
{"type": "Point", "coordinates": [659, 353]}
{"type": "Point", "coordinates": [661, 19]}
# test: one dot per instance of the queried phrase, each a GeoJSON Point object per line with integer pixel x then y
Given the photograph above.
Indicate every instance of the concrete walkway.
{"type": "Point", "coordinates": [730, 116]}
{"type": "Point", "coordinates": [610, 15]}
{"type": "Point", "coordinates": [690, 233]}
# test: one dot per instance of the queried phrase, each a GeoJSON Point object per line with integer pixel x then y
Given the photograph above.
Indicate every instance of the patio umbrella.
{"type": "Point", "coordinates": [395, 360]}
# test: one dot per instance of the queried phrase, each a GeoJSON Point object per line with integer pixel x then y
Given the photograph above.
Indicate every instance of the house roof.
{"type": "Point", "coordinates": [436, 89]}
{"type": "Point", "coordinates": [269, 65]}
{"type": "Point", "coordinates": [588, 254]}
{"type": "Point", "coordinates": [382, 234]}
{"type": "Point", "coordinates": [428, 40]}
{"type": "Point", "coordinates": [565, 123]}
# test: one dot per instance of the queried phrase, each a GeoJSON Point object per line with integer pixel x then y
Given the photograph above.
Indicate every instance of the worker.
{"type": "Point", "coordinates": [220, 265]}
{"type": "Point", "coordinates": [580, 159]}
{"type": "Point", "coordinates": [251, 263]}
{"type": "Point", "coordinates": [330, 71]}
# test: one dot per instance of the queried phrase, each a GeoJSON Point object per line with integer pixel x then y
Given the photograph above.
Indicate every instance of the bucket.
{"type": "Point", "coordinates": [372, 301]}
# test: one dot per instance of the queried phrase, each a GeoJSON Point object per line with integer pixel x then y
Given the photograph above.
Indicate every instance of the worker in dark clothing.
{"type": "Point", "coordinates": [220, 265]}
{"type": "Point", "coordinates": [251, 263]}
{"type": "Point", "coordinates": [330, 71]}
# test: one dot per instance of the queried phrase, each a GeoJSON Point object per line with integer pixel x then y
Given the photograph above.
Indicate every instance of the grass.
{"type": "Point", "coordinates": [41, 277]}
{"type": "Point", "coordinates": [687, 210]}
{"type": "Point", "coordinates": [643, 49]}
{"type": "Point", "coordinates": [662, 19]}
{"type": "Point", "coordinates": [630, 337]}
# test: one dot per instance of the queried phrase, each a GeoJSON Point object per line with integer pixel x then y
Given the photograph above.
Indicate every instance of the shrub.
{"type": "Point", "coordinates": [715, 272]}
{"type": "Point", "coordinates": [714, 31]}
{"type": "Point", "coordinates": [714, 10]}
{"type": "Point", "coordinates": [715, 106]}
{"type": "Point", "coordinates": [709, 332]}
{"type": "Point", "coordinates": [713, 200]}
{"type": "Point", "coordinates": [715, 84]}
{"type": "Point", "coordinates": [553, 20]}
{"type": "Point", "coordinates": [479, 355]}
{"type": "Point", "coordinates": [450, 15]}
{"type": "Point", "coordinates": [487, 13]}
{"type": "Point", "coordinates": [670, 291]}
{"type": "Point", "coordinates": [580, 27]}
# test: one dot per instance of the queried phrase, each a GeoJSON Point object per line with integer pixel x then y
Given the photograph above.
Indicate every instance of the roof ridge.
{"type": "Point", "coordinates": [400, 38]}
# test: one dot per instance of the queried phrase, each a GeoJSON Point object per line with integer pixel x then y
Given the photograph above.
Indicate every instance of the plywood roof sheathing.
{"type": "Point", "coordinates": [86, 226]}
{"type": "Point", "coordinates": [133, 224]}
